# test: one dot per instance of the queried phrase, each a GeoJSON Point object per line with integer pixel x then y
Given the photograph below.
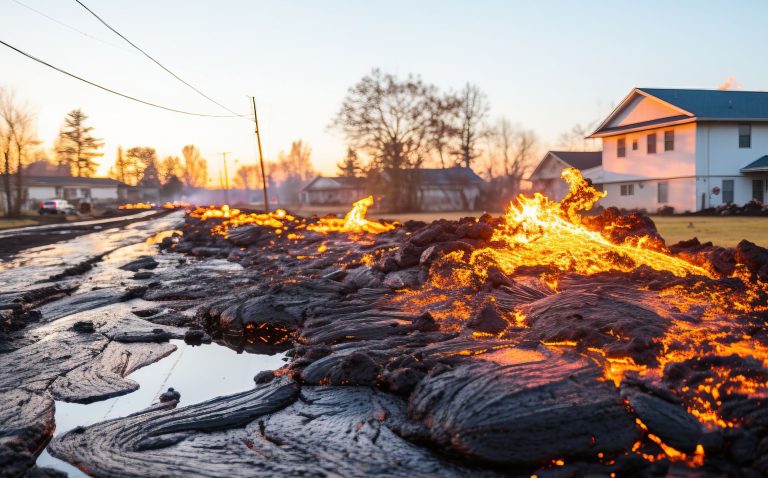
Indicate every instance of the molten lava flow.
{"type": "Point", "coordinates": [213, 212]}
{"type": "Point", "coordinates": [354, 221]}
{"type": "Point", "coordinates": [540, 232]}
{"type": "Point", "coordinates": [138, 205]}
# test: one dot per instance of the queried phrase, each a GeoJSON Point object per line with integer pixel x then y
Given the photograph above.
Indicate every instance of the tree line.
{"type": "Point", "coordinates": [393, 125]}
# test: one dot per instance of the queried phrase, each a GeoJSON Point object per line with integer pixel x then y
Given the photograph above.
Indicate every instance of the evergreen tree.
{"type": "Point", "coordinates": [350, 167]}
{"type": "Point", "coordinates": [77, 147]}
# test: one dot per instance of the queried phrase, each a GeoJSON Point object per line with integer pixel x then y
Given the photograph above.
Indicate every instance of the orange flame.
{"type": "Point", "coordinates": [354, 221]}
{"type": "Point", "coordinates": [138, 205]}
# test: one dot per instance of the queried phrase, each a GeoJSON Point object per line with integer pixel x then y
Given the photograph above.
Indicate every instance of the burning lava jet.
{"type": "Point", "coordinates": [354, 221]}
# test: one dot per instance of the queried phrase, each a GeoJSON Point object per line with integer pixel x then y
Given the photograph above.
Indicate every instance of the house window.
{"type": "Point", "coordinates": [85, 192]}
{"type": "Point", "coordinates": [652, 143]}
{"type": "Point", "coordinates": [758, 189]}
{"type": "Point", "coordinates": [634, 145]}
{"type": "Point", "coordinates": [621, 147]}
{"type": "Point", "coordinates": [662, 194]}
{"type": "Point", "coordinates": [727, 191]}
{"type": "Point", "coordinates": [745, 135]}
{"type": "Point", "coordinates": [669, 140]}
{"type": "Point", "coordinates": [627, 189]}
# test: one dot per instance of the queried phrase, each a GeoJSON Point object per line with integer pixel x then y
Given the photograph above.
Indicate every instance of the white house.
{"type": "Point", "coordinates": [689, 149]}
{"type": "Point", "coordinates": [333, 191]}
{"type": "Point", "coordinates": [101, 191]}
{"type": "Point", "coordinates": [546, 177]}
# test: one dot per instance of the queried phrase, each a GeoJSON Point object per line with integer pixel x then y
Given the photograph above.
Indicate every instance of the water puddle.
{"type": "Point", "coordinates": [199, 373]}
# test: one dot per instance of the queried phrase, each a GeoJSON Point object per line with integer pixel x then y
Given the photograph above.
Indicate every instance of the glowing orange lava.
{"type": "Point", "coordinates": [138, 205]}
{"type": "Point", "coordinates": [354, 221]}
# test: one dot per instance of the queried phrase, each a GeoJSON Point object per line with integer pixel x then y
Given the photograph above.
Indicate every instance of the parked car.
{"type": "Point", "coordinates": [56, 206]}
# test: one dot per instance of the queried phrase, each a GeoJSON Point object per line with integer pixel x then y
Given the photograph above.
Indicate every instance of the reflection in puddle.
{"type": "Point", "coordinates": [198, 373]}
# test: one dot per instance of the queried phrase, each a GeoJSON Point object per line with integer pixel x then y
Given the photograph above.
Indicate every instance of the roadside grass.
{"type": "Point", "coordinates": [724, 231]}
{"type": "Point", "coordinates": [6, 223]}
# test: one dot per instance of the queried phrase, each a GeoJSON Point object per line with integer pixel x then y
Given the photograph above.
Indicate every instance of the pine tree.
{"type": "Point", "coordinates": [350, 167]}
{"type": "Point", "coordinates": [77, 146]}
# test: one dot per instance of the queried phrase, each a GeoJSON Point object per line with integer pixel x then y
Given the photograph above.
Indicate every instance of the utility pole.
{"type": "Point", "coordinates": [226, 177]}
{"type": "Point", "coordinates": [261, 156]}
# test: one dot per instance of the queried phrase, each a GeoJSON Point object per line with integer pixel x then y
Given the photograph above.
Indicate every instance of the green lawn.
{"type": "Point", "coordinates": [723, 231]}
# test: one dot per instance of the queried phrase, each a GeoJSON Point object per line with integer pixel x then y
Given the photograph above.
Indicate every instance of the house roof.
{"type": "Point", "coordinates": [446, 176]}
{"type": "Point", "coordinates": [336, 182]}
{"type": "Point", "coordinates": [693, 105]}
{"type": "Point", "coordinates": [580, 160]}
{"type": "Point", "coordinates": [70, 181]}
{"type": "Point", "coordinates": [759, 165]}
{"type": "Point", "coordinates": [716, 104]}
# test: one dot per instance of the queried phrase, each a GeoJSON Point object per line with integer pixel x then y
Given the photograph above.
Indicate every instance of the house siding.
{"type": "Point", "coordinates": [677, 167]}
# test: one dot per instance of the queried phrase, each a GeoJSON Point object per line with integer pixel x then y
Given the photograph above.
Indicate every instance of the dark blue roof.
{"type": "Point", "coordinates": [581, 159]}
{"type": "Point", "coordinates": [716, 104]}
{"type": "Point", "coordinates": [761, 164]}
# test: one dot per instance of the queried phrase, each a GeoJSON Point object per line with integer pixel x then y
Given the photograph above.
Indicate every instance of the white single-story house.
{"type": "Point", "coordinates": [101, 191]}
{"type": "Point", "coordinates": [333, 191]}
{"type": "Point", "coordinates": [546, 179]}
{"type": "Point", "coordinates": [688, 149]}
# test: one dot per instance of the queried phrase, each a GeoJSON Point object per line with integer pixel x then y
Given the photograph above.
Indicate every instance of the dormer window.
{"type": "Point", "coordinates": [621, 148]}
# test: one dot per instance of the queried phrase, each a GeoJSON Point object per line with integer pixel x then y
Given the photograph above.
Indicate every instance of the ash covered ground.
{"type": "Point", "coordinates": [544, 342]}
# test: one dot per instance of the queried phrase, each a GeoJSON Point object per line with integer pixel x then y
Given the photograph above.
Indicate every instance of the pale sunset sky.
{"type": "Point", "coordinates": [546, 64]}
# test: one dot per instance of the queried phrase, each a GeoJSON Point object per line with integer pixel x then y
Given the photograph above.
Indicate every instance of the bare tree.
{"type": "Point", "coordinates": [388, 119]}
{"type": "Point", "coordinates": [17, 134]}
{"type": "Point", "coordinates": [119, 170]}
{"type": "Point", "coordinates": [576, 139]}
{"type": "Point", "coordinates": [292, 170]}
{"type": "Point", "coordinates": [511, 151]}
{"type": "Point", "coordinates": [142, 167]}
{"type": "Point", "coordinates": [443, 126]}
{"type": "Point", "coordinates": [24, 135]}
{"type": "Point", "coordinates": [77, 146]}
{"type": "Point", "coordinates": [247, 176]}
{"type": "Point", "coordinates": [195, 167]}
{"type": "Point", "coordinates": [473, 110]}
{"type": "Point", "coordinates": [170, 167]}
{"type": "Point", "coordinates": [7, 117]}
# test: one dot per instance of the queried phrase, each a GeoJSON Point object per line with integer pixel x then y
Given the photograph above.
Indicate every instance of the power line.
{"type": "Point", "coordinates": [31, 57]}
{"type": "Point", "coordinates": [68, 26]}
{"type": "Point", "coordinates": [155, 61]}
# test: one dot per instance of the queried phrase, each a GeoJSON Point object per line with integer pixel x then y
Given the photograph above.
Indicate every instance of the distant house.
{"type": "Point", "coordinates": [333, 191]}
{"type": "Point", "coordinates": [689, 149]}
{"type": "Point", "coordinates": [101, 191]}
{"type": "Point", "coordinates": [447, 189]}
{"type": "Point", "coordinates": [546, 177]}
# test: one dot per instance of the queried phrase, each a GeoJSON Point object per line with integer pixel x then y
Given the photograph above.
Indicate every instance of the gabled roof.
{"type": "Point", "coordinates": [70, 181]}
{"type": "Point", "coordinates": [693, 105]}
{"type": "Point", "coordinates": [337, 182]}
{"type": "Point", "coordinates": [758, 166]}
{"type": "Point", "coordinates": [716, 104]}
{"type": "Point", "coordinates": [444, 176]}
{"type": "Point", "coordinates": [580, 160]}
